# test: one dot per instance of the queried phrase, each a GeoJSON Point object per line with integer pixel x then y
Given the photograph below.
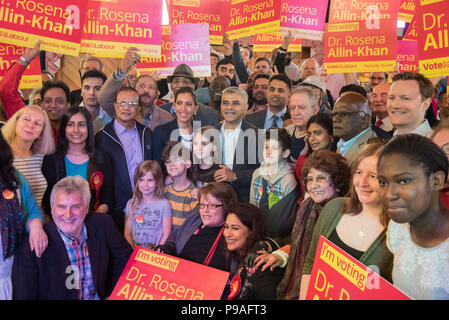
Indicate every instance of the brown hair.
{"type": "Point", "coordinates": [223, 192]}
{"type": "Point", "coordinates": [425, 85]}
{"type": "Point", "coordinates": [352, 204]}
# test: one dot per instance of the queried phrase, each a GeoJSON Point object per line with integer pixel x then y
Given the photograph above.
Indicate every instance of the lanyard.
{"type": "Point", "coordinates": [212, 250]}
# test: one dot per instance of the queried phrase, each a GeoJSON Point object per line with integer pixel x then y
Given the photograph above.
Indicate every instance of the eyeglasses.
{"type": "Point", "coordinates": [124, 103]}
{"type": "Point", "coordinates": [173, 161]}
{"type": "Point", "coordinates": [57, 101]}
{"type": "Point", "coordinates": [346, 114]}
{"type": "Point", "coordinates": [211, 206]}
{"type": "Point", "coordinates": [377, 78]}
{"type": "Point", "coordinates": [321, 179]}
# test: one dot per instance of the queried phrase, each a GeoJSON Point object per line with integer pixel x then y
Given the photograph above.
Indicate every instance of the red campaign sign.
{"type": "Point", "coordinates": [433, 37]}
{"type": "Point", "coordinates": [304, 19]}
{"type": "Point", "coordinates": [349, 10]}
{"type": "Point", "coordinates": [250, 17]}
{"type": "Point", "coordinates": [149, 275]}
{"type": "Point", "coordinates": [32, 77]}
{"type": "Point", "coordinates": [336, 275]}
{"type": "Point", "coordinates": [411, 33]}
{"type": "Point", "coordinates": [407, 58]}
{"type": "Point", "coordinates": [213, 12]}
{"type": "Point", "coordinates": [112, 26]}
{"type": "Point", "coordinates": [355, 47]}
{"type": "Point", "coordinates": [406, 10]}
{"type": "Point", "coordinates": [268, 42]}
{"type": "Point", "coordinates": [57, 24]}
{"type": "Point", "coordinates": [181, 43]}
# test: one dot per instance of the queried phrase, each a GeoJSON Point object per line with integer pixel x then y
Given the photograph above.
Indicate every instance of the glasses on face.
{"type": "Point", "coordinates": [346, 114]}
{"type": "Point", "coordinates": [172, 161]}
{"type": "Point", "coordinates": [321, 179]}
{"type": "Point", "coordinates": [124, 103]}
{"type": "Point", "coordinates": [211, 206]}
{"type": "Point", "coordinates": [59, 101]}
{"type": "Point", "coordinates": [377, 78]}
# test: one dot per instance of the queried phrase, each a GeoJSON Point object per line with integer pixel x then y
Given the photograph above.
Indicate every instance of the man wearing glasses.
{"type": "Point", "coordinates": [352, 124]}
{"type": "Point", "coordinates": [128, 143]}
{"type": "Point", "coordinates": [376, 78]}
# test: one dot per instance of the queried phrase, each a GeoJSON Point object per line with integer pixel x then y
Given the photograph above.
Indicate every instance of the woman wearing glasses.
{"type": "Point", "coordinates": [357, 224]}
{"type": "Point", "coordinates": [181, 128]}
{"type": "Point", "coordinates": [200, 238]}
{"type": "Point", "coordinates": [76, 155]}
{"type": "Point", "coordinates": [326, 176]}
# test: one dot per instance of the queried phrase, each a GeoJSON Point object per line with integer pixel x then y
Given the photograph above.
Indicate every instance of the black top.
{"type": "Point", "coordinates": [206, 176]}
{"type": "Point", "coordinates": [297, 145]}
{"type": "Point", "coordinates": [334, 238]}
{"type": "Point", "coordinates": [199, 244]}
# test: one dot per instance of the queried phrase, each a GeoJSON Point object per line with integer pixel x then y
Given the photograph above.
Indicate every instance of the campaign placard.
{"type": "Point", "coordinates": [181, 43]}
{"type": "Point", "coordinates": [57, 24]}
{"type": "Point", "coordinates": [433, 37]}
{"type": "Point", "coordinates": [355, 47]}
{"type": "Point", "coordinates": [304, 19]}
{"type": "Point", "coordinates": [268, 42]}
{"type": "Point", "coordinates": [342, 11]}
{"type": "Point", "coordinates": [250, 17]}
{"type": "Point", "coordinates": [406, 10]}
{"type": "Point", "coordinates": [407, 57]}
{"type": "Point", "coordinates": [150, 275]}
{"type": "Point", "coordinates": [412, 30]}
{"type": "Point", "coordinates": [31, 78]}
{"type": "Point", "coordinates": [213, 12]}
{"type": "Point", "coordinates": [336, 275]}
{"type": "Point", "coordinates": [113, 26]}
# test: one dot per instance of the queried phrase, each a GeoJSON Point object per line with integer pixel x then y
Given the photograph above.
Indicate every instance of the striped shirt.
{"type": "Point", "coordinates": [30, 167]}
{"type": "Point", "coordinates": [182, 203]}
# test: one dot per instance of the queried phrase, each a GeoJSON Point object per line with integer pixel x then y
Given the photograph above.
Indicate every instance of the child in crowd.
{"type": "Point", "coordinates": [273, 186]}
{"type": "Point", "coordinates": [148, 214]}
{"type": "Point", "coordinates": [204, 155]}
{"type": "Point", "coordinates": [182, 191]}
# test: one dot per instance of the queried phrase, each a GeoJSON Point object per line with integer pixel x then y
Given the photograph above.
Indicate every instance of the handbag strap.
{"type": "Point", "coordinates": [214, 246]}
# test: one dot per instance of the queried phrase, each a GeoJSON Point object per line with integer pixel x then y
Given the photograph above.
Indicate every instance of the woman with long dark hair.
{"type": "Point", "coordinates": [76, 155]}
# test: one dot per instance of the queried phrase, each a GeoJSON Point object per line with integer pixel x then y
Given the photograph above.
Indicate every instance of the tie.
{"type": "Point", "coordinates": [379, 123]}
{"type": "Point", "coordinates": [275, 119]}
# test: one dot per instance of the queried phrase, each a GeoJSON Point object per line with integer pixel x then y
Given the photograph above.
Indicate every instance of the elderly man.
{"type": "Point", "coordinates": [239, 143]}
{"type": "Point", "coordinates": [378, 104]}
{"type": "Point", "coordinates": [409, 98]}
{"type": "Point", "coordinates": [279, 87]}
{"type": "Point", "coordinates": [146, 87]}
{"type": "Point", "coordinates": [351, 120]}
{"type": "Point", "coordinates": [376, 78]}
{"type": "Point", "coordinates": [85, 254]}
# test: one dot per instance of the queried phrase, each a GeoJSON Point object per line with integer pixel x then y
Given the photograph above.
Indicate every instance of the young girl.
{"type": "Point", "coordinates": [148, 214]}
{"type": "Point", "coordinates": [204, 156]}
{"type": "Point", "coordinates": [181, 192]}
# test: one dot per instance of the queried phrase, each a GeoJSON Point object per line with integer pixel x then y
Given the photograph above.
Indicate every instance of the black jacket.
{"type": "Point", "coordinates": [108, 141]}
{"type": "Point", "coordinates": [46, 278]}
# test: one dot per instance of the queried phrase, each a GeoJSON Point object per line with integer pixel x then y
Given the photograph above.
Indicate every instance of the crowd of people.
{"type": "Point", "coordinates": [242, 171]}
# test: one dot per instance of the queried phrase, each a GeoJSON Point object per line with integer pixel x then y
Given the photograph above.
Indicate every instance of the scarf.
{"type": "Point", "coordinates": [10, 220]}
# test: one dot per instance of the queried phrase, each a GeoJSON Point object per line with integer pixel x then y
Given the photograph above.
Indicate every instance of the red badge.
{"type": "Point", "coordinates": [7, 194]}
{"type": "Point", "coordinates": [96, 181]}
{"type": "Point", "coordinates": [235, 286]}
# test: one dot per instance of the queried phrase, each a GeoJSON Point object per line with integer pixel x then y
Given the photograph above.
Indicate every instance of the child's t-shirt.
{"type": "Point", "coordinates": [182, 203]}
{"type": "Point", "coordinates": [146, 222]}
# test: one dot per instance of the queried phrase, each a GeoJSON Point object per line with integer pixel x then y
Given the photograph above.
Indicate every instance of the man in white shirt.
{"type": "Point", "coordinates": [408, 100]}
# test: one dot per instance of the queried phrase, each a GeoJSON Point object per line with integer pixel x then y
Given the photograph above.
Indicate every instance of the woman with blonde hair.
{"type": "Point", "coordinates": [28, 132]}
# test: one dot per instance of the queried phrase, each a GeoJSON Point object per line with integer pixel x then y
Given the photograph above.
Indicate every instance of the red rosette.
{"type": "Point", "coordinates": [234, 286]}
{"type": "Point", "coordinates": [96, 181]}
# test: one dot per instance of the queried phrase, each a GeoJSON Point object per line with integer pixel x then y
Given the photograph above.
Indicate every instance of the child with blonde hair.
{"type": "Point", "coordinates": [148, 219]}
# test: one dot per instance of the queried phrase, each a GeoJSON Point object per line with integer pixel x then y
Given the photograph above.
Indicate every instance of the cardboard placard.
{"type": "Point", "coordinates": [268, 42]}
{"type": "Point", "coordinates": [406, 10]}
{"type": "Point", "coordinates": [407, 57]}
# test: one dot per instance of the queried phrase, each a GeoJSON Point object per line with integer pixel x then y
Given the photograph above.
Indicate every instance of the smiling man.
{"type": "Point", "coordinates": [85, 255]}
{"type": "Point", "coordinates": [408, 100]}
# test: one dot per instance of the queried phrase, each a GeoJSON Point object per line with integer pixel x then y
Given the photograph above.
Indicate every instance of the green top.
{"type": "Point", "coordinates": [377, 254]}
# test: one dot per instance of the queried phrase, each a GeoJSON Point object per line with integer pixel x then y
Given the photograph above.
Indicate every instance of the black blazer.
{"type": "Point", "coordinates": [45, 278]}
{"type": "Point", "coordinates": [161, 136]}
{"type": "Point", "coordinates": [251, 159]}
{"type": "Point", "coordinates": [257, 118]}
{"type": "Point", "coordinates": [53, 168]}
{"type": "Point", "coordinates": [207, 115]}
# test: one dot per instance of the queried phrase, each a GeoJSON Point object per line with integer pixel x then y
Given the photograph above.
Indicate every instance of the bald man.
{"type": "Point", "coordinates": [351, 120]}
{"type": "Point", "coordinates": [379, 99]}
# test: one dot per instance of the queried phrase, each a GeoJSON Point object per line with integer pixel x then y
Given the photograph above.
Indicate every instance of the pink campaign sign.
{"type": "Point", "coordinates": [304, 18]}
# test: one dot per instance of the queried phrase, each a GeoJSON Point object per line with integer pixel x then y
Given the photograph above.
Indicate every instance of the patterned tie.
{"type": "Point", "coordinates": [379, 123]}
{"type": "Point", "coordinates": [275, 119]}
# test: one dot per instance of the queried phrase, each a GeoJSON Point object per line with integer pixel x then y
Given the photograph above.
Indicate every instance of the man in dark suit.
{"type": "Point", "coordinates": [279, 88]}
{"type": "Point", "coordinates": [183, 77]}
{"type": "Point", "coordinates": [239, 149]}
{"type": "Point", "coordinates": [85, 255]}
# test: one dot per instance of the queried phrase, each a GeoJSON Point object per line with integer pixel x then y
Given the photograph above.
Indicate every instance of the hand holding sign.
{"type": "Point", "coordinates": [130, 59]}
{"type": "Point", "coordinates": [287, 40]}
{"type": "Point", "coordinates": [228, 44]}
{"type": "Point", "coordinates": [30, 53]}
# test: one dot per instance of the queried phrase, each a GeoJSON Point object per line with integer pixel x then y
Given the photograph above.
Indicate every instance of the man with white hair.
{"type": "Point", "coordinates": [309, 67]}
{"type": "Point", "coordinates": [85, 255]}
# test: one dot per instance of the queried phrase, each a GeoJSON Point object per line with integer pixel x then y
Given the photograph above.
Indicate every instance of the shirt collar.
{"type": "Point", "coordinates": [119, 129]}
{"type": "Point", "coordinates": [68, 239]}
{"type": "Point", "coordinates": [280, 114]}
{"type": "Point", "coordinates": [423, 129]}
{"type": "Point", "coordinates": [341, 144]}
{"type": "Point", "coordinates": [229, 131]}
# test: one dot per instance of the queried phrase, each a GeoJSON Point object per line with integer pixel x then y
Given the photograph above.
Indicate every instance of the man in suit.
{"type": "Point", "coordinates": [239, 143]}
{"type": "Point", "coordinates": [183, 77]}
{"type": "Point", "coordinates": [86, 64]}
{"type": "Point", "coordinates": [85, 255]}
{"type": "Point", "coordinates": [279, 87]}
{"type": "Point", "coordinates": [352, 124]}
{"type": "Point", "coordinates": [146, 86]}
{"type": "Point", "coordinates": [379, 98]}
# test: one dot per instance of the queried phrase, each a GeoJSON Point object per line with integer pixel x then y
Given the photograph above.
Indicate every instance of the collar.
{"type": "Point", "coordinates": [227, 131]}
{"type": "Point", "coordinates": [341, 144]}
{"type": "Point", "coordinates": [119, 129]}
{"type": "Point", "coordinates": [423, 129]}
{"type": "Point", "coordinates": [280, 114]}
{"type": "Point", "coordinates": [68, 239]}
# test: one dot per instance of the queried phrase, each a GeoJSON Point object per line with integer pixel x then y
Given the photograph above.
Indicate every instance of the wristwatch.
{"type": "Point", "coordinates": [24, 60]}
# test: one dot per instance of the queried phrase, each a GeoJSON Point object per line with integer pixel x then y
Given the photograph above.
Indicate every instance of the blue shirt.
{"type": "Point", "coordinates": [73, 169]}
{"type": "Point", "coordinates": [343, 146]}
{"type": "Point", "coordinates": [269, 119]}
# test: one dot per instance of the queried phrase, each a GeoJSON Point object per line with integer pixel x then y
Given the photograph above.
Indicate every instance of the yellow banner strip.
{"type": "Point", "coordinates": [360, 66]}
{"type": "Point", "coordinates": [272, 26]}
{"type": "Point", "coordinates": [112, 49]}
